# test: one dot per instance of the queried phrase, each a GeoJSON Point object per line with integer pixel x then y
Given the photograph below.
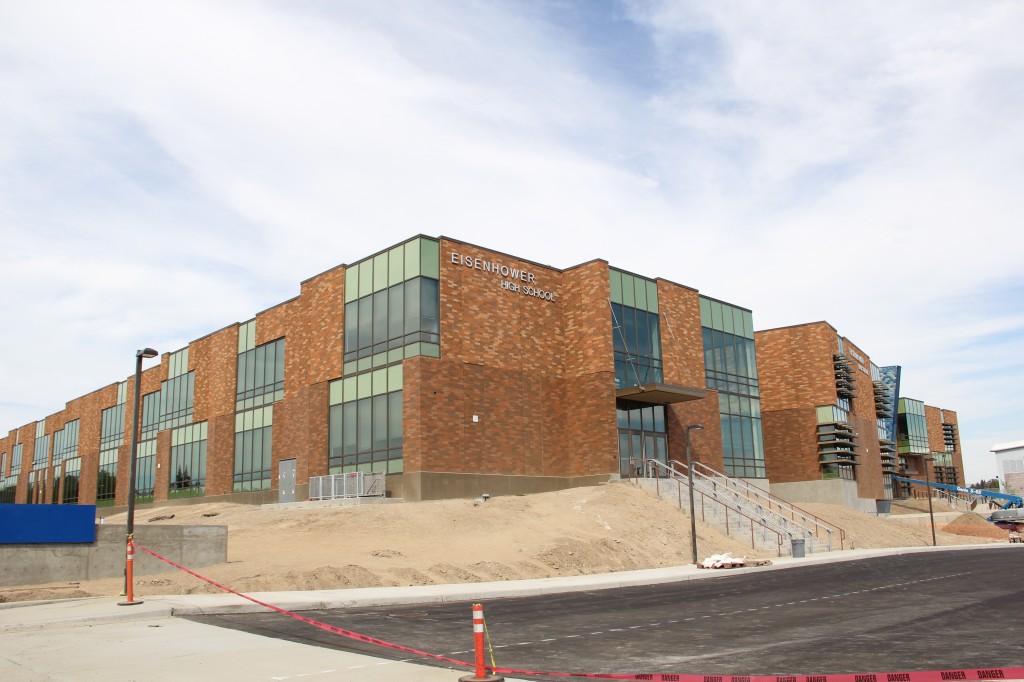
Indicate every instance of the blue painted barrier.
{"type": "Point", "coordinates": [44, 523]}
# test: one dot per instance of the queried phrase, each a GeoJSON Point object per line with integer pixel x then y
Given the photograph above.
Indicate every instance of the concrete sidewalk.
{"type": "Point", "coordinates": [95, 638]}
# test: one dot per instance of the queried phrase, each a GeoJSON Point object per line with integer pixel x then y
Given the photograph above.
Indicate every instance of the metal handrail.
{"type": "Point", "coordinates": [649, 466]}
{"type": "Point", "coordinates": [759, 492]}
{"type": "Point", "coordinates": [779, 523]}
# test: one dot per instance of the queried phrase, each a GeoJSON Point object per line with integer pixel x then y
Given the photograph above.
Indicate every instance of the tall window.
{"type": "Point", "coordinates": [188, 461]}
{"type": "Point", "coordinates": [366, 422]}
{"type": "Point", "coordinates": [36, 480]}
{"type": "Point", "coordinates": [16, 459]}
{"type": "Point", "coordinates": [65, 450]}
{"type": "Point", "coordinates": [392, 306]}
{"type": "Point", "coordinates": [111, 438]}
{"type": "Point", "coordinates": [730, 367]}
{"type": "Point", "coordinates": [72, 470]}
{"type": "Point", "coordinates": [8, 488]}
{"type": "Point", "coordinates": [145, 460]}
{"type": "Point", "coordinates": [260, 378]}
{"type": "Point", "coordinates": [912, 428]}
{"type": "Point", "coordinates": [260, 382]}
{"type": "Point", "coordinates": [636, 332]}
{"type": "Point", "coordinates": [642, 433]}
{"type": "Point", "coordinates": [253, 439]}
{"type": "Point", "coordinates": [9, 483]}
{"type": "Point", "coordinates": [42, 446]}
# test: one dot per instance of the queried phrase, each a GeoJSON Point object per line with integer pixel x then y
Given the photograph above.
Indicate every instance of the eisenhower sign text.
{"type": "Point", "coordinates": [513, 279]}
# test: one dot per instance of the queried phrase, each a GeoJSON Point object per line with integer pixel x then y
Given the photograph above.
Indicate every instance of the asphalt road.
{"type": "Point", "coordinates": [943, 610]}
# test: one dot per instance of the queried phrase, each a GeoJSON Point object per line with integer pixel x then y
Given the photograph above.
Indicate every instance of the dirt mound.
{"type": "Point", "coordinates": [973, 525]}
{"type": "Point", "coordinates": [612, 527]}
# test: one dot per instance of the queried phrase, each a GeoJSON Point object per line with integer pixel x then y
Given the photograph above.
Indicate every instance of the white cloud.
{"type": "Point", "coordinates": [166, 169]}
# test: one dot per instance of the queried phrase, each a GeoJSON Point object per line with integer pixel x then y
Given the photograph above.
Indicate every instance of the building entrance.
{"type": "Point", "coordinates": [642, 433]}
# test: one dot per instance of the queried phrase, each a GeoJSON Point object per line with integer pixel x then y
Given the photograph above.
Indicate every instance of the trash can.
{"type": "Point", "coordinates": [798, 548]}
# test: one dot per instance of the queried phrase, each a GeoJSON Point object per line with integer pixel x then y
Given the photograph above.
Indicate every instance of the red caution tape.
{"type": "Point", "coordinates": [918, 676]}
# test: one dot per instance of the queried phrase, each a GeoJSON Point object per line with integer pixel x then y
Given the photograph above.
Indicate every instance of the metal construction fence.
{"type": "Point", "coordinates": [354, 484]}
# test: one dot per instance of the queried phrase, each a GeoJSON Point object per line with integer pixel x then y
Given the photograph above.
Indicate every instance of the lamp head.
{"type": "Point", "coordinates": [695, 427]}
{"type": "Point", "coordinates": [146, 353]}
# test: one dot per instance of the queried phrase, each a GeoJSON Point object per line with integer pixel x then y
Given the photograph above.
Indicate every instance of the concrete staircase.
{"type": "Point", "coordinates": [740, 509]}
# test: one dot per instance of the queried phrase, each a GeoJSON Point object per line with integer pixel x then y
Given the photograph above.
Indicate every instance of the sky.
{"type": "Point", "coordinates": [167, 169]}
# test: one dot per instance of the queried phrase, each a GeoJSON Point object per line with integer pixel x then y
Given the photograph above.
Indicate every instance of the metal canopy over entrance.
{"type": "Point", "coordinates": [660, 394]}
{"type": "Point", "coordinates": [641, 418]}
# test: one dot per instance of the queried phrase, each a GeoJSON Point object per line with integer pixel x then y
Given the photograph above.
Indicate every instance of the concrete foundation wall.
{"type": "Point", "coordinates": [833, 491]}
{"type": "Point", "coordinates": [190, 546]}
{"type": "Point", "coordinates": [923, 520]}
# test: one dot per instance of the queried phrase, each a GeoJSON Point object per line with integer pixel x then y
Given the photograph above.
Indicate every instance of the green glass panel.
{"type": "Point", "coordinates": [640, 292]}
{"type": "Point", "coordinates": [652, 297]}
{"type": "Point", "coordinates": [628, 290]}
{"type": "Point", "coordinates": [705, 312]}
{"type": "Point", "coordinates": [395, 378]}
{"type": "Point", "coordinates": [412, 350]}
{"type": "Point", "coordinates": [395, 355]}
{"type": "Point", "coordinates": [380, 381]}
{"type": "Point", "coordinates": [365, 278]}
{"type": "Point", "coordinates": [615, 282]}
{"type": "Point", "coordinates": [364, 364]}
{"type": "Point", "coordinates": [395, 466]}
{"type": "Point", "coordinates": [412, 259]}
{"type": "Point", "coordinates": [430, 258]}
{"type": "Point", "coordinates": [337, 393]}
{"type": "Point", "coordinates": [350, 367]}
{"type": "Point", "coordinates": [431, 350]}
{"type": "Point", "coordinates": [350, 393]}
{"type": "Point", "coordinates": [396, 265]}
{"type": "Point", "coordinates": [727, 319]}
{"type": "Point", "coordinates": [716, 315]}
{"type": "Point", "coordinates": [364, 387]}
{"type": "Point", "coordinates": [748, 324]}
{"type": "Point", "coordinates": [737, 321]}
{"type": "Point", "coordinates": [380, 359]}
{"type": "Point", "coordinates": [380, 271]}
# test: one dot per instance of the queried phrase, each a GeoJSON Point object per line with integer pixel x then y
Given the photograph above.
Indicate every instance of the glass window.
{"type": "Point", "coordinates": [253, 449]}
{"type": "Point", "coordinates": [260, 377]}
{"type": "Point", "coordinates": [396, 312]}
{"type": "Point", "coordinates": [429, 306]}
{"type": "Point", "coordinates": [367, 430]}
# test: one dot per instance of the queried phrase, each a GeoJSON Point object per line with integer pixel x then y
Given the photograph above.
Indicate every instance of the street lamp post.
{"type": "Point", "coordinates": [928, 486]}
{"type": "Point", "coordinates": [689, 483]}
{"type": "Point", "coordinates": [130, 544]}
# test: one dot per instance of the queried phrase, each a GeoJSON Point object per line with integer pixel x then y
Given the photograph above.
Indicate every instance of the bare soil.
{"type": "Point", "coordinates": [614, 527]}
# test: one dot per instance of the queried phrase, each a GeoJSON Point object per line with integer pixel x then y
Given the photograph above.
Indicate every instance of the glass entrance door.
{"type": "Point", "coordinates": [642, 434]}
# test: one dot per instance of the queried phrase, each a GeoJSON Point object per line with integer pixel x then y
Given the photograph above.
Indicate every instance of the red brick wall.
{"type": "Point", "coordinates": [682, 346]}
{"type": "Point", "coordinates": [796, 373]}
{"type": "Point", "coordinates": [791, 449]}
{"type": "Point", "coordinates": [794, 366]}
{"type": "Point", "coordinates": [934, 418]}
{"type": "Point", "coordinates": [538, 374]}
